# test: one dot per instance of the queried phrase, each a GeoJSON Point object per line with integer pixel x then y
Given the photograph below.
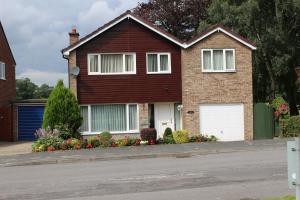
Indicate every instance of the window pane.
{"type": "Point", "coordinates": [164, 65]}
{"type": "Point", "coordinates": [218, 59]}
{"type": "Point", "coordinates": [108, 117]}
{"type": "Point", "coordinates": [85, 123]}
{"type": "Point", "coordinates": [111, 63]}
{"type": "Point", "coordinates": [206, 60]}
{"type": "Point", "coordinates": [93, 59]}
{"type": "Point", "coordinates": [229, 59]}
{"type": "Point", "coordinates": [133, 117]}
{"type": "Point", "coordinates": [152, 63]}
{"type": "Point", "coordinates": [129, 63]}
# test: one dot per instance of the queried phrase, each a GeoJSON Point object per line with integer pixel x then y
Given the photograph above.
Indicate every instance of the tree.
{"type": "Point", "coordinates": [25, 89]}
{"type": "Point", "coordinates": [29, 90]}
{"type": "Point", "coordinates": [181, 18]}
{"type": "Point", "coordinates": [274, 27]}
{"type": "Point", "coordinates": [43, 91]}
{"type": "Point", "coordinates": [62, 110]}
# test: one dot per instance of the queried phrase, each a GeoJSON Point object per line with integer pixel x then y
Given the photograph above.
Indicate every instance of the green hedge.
{"type": "Point", "coordinates": [290, 127]}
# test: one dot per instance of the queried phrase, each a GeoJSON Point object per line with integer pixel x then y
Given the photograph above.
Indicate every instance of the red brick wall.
{"type": "Point", "coordinates": [129, 36]}
{"type": "Point", "coordinates": [7, 89]}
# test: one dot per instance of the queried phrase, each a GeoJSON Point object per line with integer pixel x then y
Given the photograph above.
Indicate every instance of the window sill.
{"type": "Point", "coordinates": [109, 74]}
{"type": "Point", "coordinates": [112, 132]}
{"type": "Point", "coordinates": [3, 79]}
{"type": "Point", "coordinates": [158, 72]}
{"type": "Point", "coordinates": [219, 71]}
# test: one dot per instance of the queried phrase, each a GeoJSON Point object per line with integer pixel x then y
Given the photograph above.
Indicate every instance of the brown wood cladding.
{"type": "Point", "coordinates": [7, 87]}
{"type": "Point", "coordinates": [129, 36]}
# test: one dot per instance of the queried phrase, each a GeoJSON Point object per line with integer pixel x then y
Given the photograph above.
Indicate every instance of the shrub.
{"type": "Point", "coordinates": [105, 139]}
{"type": "Point", "coordinates": [281, 108]}
{"type": "Point", "coordinates": [84, 143]}
{"type": "Point", "coordinates": [206, 138]}
{"type": "Point", "coordinates": [94, 141]}
{"type": "Point", "coordinates": [62, 110]}
{"type": "Point", "coordinates": [195, 138]}
{"type": "Point", "coordinates": [290, 127]}
{"type": "Point", "coordinates": [148, 134]}
{"type": "Point", "coordinates": [44, 142]}
{"type": "Point", "coordinates": [122, 142]}
{"type": "Point", "coordinates": [168, 136]}
{"type": "Point", "coordinates": [181, 136]}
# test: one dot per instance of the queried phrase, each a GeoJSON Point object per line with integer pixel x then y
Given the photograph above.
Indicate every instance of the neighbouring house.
{"type": "Point", "coordinates": [7, 88]}
{"type": "Point", "coordinates": [134, 75]}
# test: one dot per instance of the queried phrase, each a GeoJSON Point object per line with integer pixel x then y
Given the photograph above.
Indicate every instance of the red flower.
{"type": "Point", "coordinates": [114, 145]}
{"type": "Point", "coordinates": [276, 113]}
{"type": "Point", "coordinates": [77, 146]}
{"type": "Point", "coordinates": [151, 142]}
{"type": "Point", "coordinates": [69, 141]}
{"type": "Point", "coordinates": [50, 149]}
{"type": "Point", "coordinates": [137, 142]}
{"type": "Point", "coordinates": [89, 146]}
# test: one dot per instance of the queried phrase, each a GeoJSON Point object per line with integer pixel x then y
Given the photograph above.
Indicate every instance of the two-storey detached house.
{"type": "Point", "coordinates": [7, 88]}
{"type": "Point", "coordinates": [134, 75]}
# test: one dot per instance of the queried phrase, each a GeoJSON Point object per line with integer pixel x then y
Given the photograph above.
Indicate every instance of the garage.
{"type": "Point", "coordinates": [30, 118]}
{"type": "Point", "coordinates": [225, 121]}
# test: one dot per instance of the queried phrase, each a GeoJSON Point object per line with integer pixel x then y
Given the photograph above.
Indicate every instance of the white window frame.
{"type": "Point", "coordinates": [89, 132]}
{"type": "Point", "coordinates": [158, 62]}
{"type": "Point", "coordinates": [3, 69]}
{"type": "Point", "coordinates": [117, 73]}
{"type": "Point", "coordinates": [224, 61]}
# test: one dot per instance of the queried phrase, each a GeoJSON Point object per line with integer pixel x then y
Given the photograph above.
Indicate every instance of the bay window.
{"type": "Point", "coordinates": [158, 63]}
{"type": "Point", "coordinates": [118, 118]}
{"type": "Point", "coordinates": [111, 63]}
{"type": "Point", "coordinates": [218, 60]}
{"type": "Point", "coordinates": [2, 70]}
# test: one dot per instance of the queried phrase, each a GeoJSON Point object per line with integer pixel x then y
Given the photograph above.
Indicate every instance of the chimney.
{"type": "Point", "coordinates": [74, 36]}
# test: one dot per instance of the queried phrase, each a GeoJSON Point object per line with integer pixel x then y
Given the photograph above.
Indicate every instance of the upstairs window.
{"type": "Point", "coordinates": [158, 63]}
{"type": "Point", "coordinates": [2, 70]}
{"type": "Point", "coordinates": [110, 63]}
{"type": "Point", "coordinates": [218, 60]}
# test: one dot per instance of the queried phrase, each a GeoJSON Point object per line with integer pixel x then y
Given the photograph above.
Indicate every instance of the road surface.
{"type": "Point", "coordinates": [225, 176]}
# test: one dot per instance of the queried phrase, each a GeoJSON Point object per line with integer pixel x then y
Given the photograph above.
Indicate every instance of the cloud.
{"type": "Point", "coordinates": [37, 30]}
{"type": "Point", "coordinates": [40, 77]}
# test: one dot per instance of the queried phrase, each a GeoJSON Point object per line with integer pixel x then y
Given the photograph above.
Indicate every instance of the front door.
{"type": "Point", "coordinates": [164, 117]}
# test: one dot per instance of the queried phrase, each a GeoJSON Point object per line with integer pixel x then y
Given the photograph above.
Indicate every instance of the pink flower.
{"type": "Point", "coordinates": [276, 113]}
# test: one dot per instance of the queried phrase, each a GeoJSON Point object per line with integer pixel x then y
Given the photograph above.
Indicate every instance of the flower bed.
{"type": "Point", "coordinates": [52, 143]}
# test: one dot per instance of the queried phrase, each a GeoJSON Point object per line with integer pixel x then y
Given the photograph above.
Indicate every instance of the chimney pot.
{"type": "Point", "coordinates": [74, 35]}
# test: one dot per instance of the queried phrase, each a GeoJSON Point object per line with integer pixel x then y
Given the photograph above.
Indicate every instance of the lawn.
{"type": "Point", "coordinates": [283, 198]}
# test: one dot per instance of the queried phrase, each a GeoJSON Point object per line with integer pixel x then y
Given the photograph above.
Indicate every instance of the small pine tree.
{"type": "Point", "coordinates": [62, 110]}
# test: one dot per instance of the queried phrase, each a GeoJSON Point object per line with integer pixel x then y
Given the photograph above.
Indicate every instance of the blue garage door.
{"type": "Point", "coordinates": [30, 118]}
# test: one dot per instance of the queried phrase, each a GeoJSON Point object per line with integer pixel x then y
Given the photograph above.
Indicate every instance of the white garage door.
{"type": "Point", "coordinates": [225, 121]}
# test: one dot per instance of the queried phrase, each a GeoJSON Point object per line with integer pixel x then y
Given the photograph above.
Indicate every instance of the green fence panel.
{"type": "Point", "coordinates": [263, 122]}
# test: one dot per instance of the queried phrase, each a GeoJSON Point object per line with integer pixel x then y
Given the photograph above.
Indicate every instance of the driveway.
{"type": "Point", "coordinates": [14, 148]}
{"type": "Point", "coordinates": [238, 175]}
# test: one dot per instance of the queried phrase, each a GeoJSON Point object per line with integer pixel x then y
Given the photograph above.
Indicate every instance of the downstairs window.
{"type": "Point", "coordinates": [118, 118]}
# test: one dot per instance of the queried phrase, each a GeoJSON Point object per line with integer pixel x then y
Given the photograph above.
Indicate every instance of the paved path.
{"type": "Point", "coordinates": [182, 150]}
{"type": "Point", "coordinates": [14, 148]}
{"type": "Point", "coordinates": [245, 174]}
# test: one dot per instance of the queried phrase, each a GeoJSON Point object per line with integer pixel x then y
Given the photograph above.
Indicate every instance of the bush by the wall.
{"type": "Point", "coordinates": [62, 110]}
{"type": "Point", "coordinates": [168, 136]}
{"type": "Point", "coordinates": [181, 136]}
{"type": "Point", "coordinates": [105, 139]}
{"type": "Point", "coordinates": [148, 134]}
{"type": "Point", "coordinates": [290, 127]}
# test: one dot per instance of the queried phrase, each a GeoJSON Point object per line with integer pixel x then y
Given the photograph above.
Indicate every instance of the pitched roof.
{"type": "Point", "coordinates": [2, 30]}
{"type": "Point", "coordinates": [226, 31]}
{"type": "Point", "coordinates": [129, 15]}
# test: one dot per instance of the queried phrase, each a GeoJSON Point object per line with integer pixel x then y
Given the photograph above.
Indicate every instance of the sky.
{"type": "Point", "coordinates": [37, 30]}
